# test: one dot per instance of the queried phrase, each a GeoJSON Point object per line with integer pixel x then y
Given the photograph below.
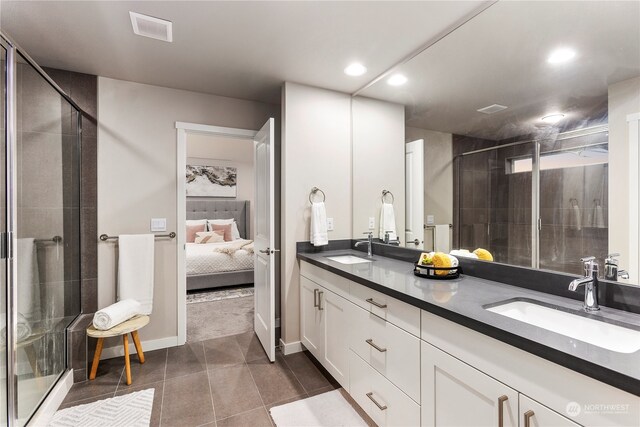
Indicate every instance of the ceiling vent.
{"type": "Point", "coordinates": [148, 26]}
{"type": "Point", "coordinates": [492, 109]}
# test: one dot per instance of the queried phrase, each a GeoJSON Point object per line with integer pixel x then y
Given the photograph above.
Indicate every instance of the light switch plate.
{"type": "Point", "coordinates": [158, 224]}
{"type": "Point", "coordinates": [372, 223]}
{"type": "Point", "coordinates": [329, 224]}
{"type": "Point", "coordinates": [430, 220]}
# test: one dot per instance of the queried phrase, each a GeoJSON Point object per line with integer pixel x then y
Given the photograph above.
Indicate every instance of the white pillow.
{"type": "Point", "coordinates": [191, 222]}
{"type": "Point", "coordinates": [235, 233]}
{"type": "Point", "coordinates": [209, 237]}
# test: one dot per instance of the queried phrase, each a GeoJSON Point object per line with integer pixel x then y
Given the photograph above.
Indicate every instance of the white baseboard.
{"type": "Point", "coordinates": [290, 348]}
{"type": "Point", "coordinates": [149, 345]}
{"type": "Point", "coordinates": [45, 413]}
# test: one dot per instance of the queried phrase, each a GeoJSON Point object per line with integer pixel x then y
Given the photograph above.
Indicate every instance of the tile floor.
{"type": "Point", "coordinates": [224, 381]}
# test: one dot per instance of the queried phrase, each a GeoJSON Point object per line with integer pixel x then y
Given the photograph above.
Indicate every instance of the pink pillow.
{"type": "Point", "coordinates": [192, 230]}
{"type": "Point", "coordinates": [226, 228]}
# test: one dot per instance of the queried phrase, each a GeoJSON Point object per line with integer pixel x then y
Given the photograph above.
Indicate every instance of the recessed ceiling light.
{"type": "Point", "coordinates": [355, 69]}
{"type": "Point", "coordinates": [561, 55]}
{"type": "Point", "coordinates": [553, 118]}
{"type": "Point", "coordinates": [397, 80]}
{"type": "Point", "coordinates": [148, 26]}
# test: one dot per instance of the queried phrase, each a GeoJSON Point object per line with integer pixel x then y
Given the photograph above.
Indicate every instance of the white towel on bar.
{"type": "Point", "coordinates": [319, 234]}
{"type": "Point", "coordinates": [388, 222]}
{"type": "Point", "coordinates": [28, 280]}
{"type": "Point", "coordinates": [135, 269]}
{"type": "Point", "coordinates": [115, 314]}
{"type": "Point", "coordinates": [598, 217]}
{"type": "Point", "coordinates": [575, 217]}
{"type": "Point", "coordinates": [442, 238]}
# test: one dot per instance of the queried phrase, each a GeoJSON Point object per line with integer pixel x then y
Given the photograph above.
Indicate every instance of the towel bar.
{"type": "Point", "coordinates": [314, 190]}
{"type": "Point", "coordinates": [54, 239]}
{"type": "Point", "coordinates": [105, 237]}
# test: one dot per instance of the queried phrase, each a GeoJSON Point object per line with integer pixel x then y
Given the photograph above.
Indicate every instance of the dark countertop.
{"type": "Point", "coordinates": [462, 301]}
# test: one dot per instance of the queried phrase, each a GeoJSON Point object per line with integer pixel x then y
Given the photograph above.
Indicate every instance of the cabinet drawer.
{"type": "Point", "coordinates": [395, 311]}
{"type": "Point", "coordinates": [381, 400]}
{"type": "Point", "coordinates": [388, 349]}
{"type": "Point", "coordinates": [330, 281]}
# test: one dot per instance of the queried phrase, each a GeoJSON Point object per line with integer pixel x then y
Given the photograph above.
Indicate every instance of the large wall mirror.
{"type": "Point", "coordinates": [518, 137]}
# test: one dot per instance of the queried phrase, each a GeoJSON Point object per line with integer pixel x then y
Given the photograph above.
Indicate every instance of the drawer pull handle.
{"type": "Point", "coordinates": [315, 297]}
{"type": "Point", "coordinates": [501, 401]}
{"type": "Point", "coordinates": [527, 418]}
{"type": "Point", "coordinates": [377, 304]}
{"type": "Point", "coordinates": [320, 300]}
{"type": "Point", "coordinates": [372, 344]}
{"type": "Point", "coordinates": [381, 407]}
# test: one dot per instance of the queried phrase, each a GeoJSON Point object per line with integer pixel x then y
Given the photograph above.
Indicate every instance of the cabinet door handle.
{"type": "Point", "coordinates": [381, 407]}
{"type": "Point", "coordinates": [501, 401]}
{"type": "Point", "coordinates": [320, 300]}
{"type": "Point", "coordinates": [527, 418]}
{"type": "Point", "coordinates": [377, 304]}
{"type": "Point", "coordinates": [372, 344]}
{"type": "Point", "coordinates": [315, 297]}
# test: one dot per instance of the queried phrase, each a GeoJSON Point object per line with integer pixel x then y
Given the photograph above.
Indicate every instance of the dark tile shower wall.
{"type": "Point", "coordinates": [494, 207]}
{"type": "Point", "coordinates": [83, 89]}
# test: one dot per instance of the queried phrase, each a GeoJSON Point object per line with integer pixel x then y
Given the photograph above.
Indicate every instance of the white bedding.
{"type": "Point", "coordinates": [203, 259]}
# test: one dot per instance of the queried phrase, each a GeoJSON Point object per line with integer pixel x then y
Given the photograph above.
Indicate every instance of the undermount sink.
{"type": "Point", "coordinates": [348, 259]}
{"type": "Point", "coordinates": [602, 334]}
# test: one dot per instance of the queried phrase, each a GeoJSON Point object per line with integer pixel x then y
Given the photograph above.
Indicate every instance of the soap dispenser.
{"type": "Point", "coordinates": [611, 271]}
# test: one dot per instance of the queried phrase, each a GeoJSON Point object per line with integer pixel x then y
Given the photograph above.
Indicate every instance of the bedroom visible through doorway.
{"type": "Point", "coordinates": [219, 217]}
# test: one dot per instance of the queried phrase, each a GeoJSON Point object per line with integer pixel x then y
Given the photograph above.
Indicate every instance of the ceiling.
{"type": "Point", "coordinates": [237, 49]}
{"type": "Point", "coordinates": [500, 57]}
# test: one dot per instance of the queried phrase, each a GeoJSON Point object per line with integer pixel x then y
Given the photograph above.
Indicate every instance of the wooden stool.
{"type": "Point", "coordinates": [130, 326]}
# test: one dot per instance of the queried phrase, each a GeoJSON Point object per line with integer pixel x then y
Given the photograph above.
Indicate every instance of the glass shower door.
{"type": "Point", "coordinates": [3, 230]}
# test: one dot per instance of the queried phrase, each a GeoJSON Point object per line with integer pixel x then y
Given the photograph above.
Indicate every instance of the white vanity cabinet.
{"type": "Point", "coordinates": [455, 394]}
{"type": "Point", "coordinates": [323, 317]}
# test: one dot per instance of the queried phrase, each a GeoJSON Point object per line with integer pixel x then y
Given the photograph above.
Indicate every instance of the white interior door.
{"type": "Point", "coordinates": [414, 194]}
{"type": "Point", "coordinates": [264, 238]}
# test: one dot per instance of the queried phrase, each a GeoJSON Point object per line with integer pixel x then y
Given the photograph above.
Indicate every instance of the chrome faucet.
{"type": "Point", "coordinates": [369, 242]}
{"type": "Point", "coordinates": [611, 271]}
{"type": "Point", "coordinates": [590, 282]}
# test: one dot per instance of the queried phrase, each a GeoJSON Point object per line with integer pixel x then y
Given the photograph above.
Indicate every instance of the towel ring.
{"type": "Point", "coordinates": [597, 202]}
{"type": "Point", "coordinates": [388, 193]}
{"type": "Point", "coordinates": [574, 202]}
{"type": "Point", "coordinates": [314, 190]}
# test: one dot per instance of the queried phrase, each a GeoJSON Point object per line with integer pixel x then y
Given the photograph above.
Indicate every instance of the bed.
{"type": "Point", "coordinates": [207, 268]}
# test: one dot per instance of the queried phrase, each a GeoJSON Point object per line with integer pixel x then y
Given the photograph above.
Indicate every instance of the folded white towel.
{"type": "Point", "coordinates": [388, 222]}
{"type": "Point", "coordinates": [135, 269]}
{"type": "Point", "coordinates": [116, 313]}
{"type": "Point", "coordinates": [28, 280]}
{"type": "Point", "coordinates": [319, 234]}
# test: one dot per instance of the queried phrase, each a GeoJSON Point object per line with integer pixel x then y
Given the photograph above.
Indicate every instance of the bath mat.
{"type": "Point", "coordinates": [219, 295]}
{"type": "Point", "coordinates": [129, 410]}
{"type": "Point", "coordinates": [327, 409]}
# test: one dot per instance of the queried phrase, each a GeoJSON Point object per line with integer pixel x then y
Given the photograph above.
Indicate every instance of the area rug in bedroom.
{"type": "Point", "coordinates": [220, 294]}
{"type": "Point", "coordinates": [215, 319]}
{"type": "Point", "coordinates": [329, 409]}
{"type": "Point", "coordinates": [129, 410]}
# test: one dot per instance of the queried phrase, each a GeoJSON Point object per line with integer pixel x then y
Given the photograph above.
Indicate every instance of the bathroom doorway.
{"type": "Point", "coordinates": [221, 216]}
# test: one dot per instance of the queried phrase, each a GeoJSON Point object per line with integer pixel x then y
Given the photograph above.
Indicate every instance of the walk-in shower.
{"type": "Point", "coordinates": [40, 229]}
{"type": "Point", "coordinates": [539, 203]}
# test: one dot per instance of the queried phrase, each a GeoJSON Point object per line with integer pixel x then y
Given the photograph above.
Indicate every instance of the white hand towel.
{"type": "Point", "coordinates": [576, 217]}
{"type": "Point", "coordinates": [135, 269]}
{"type": "Point", "coordinates": [388, 222]}
{"type": "Point", "coordinates": [116, 313]}
{"type": "Point", "coordinates": [28, 280]}
{"type": "Point", "coordinates": [598, 217]}
{"type": "Point", "coordinates": [442, 238]}
{"type": "Point", "coordinates": [319, 235]}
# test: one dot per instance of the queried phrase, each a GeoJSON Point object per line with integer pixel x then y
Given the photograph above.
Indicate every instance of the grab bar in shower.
{"type": "Point", "coordinates": [105, 237]}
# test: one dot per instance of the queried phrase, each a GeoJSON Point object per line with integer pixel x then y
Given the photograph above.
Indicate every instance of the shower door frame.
{"type": "Point", "coordinates": [536, 220]}
{"type": "Point", "coordinates": [9, 239]}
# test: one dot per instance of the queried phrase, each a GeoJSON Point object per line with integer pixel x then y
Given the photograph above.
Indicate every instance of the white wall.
{"type": "Point", "coordinates": [316, 151]}
{"type": "Point", "coordinates": [137, 175]}
{"type": "Point", "coordinates": [624, 99]}
{"type": "Point", "coordinates": [378, 162]}
{"type": "Point", "coordinates": [438, 175]}
{"type": "Point", "coordinates": [209, 150]}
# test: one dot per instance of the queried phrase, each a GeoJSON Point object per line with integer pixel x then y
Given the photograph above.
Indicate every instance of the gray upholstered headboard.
{"type": "Point", "coordinates": [221, 209]}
